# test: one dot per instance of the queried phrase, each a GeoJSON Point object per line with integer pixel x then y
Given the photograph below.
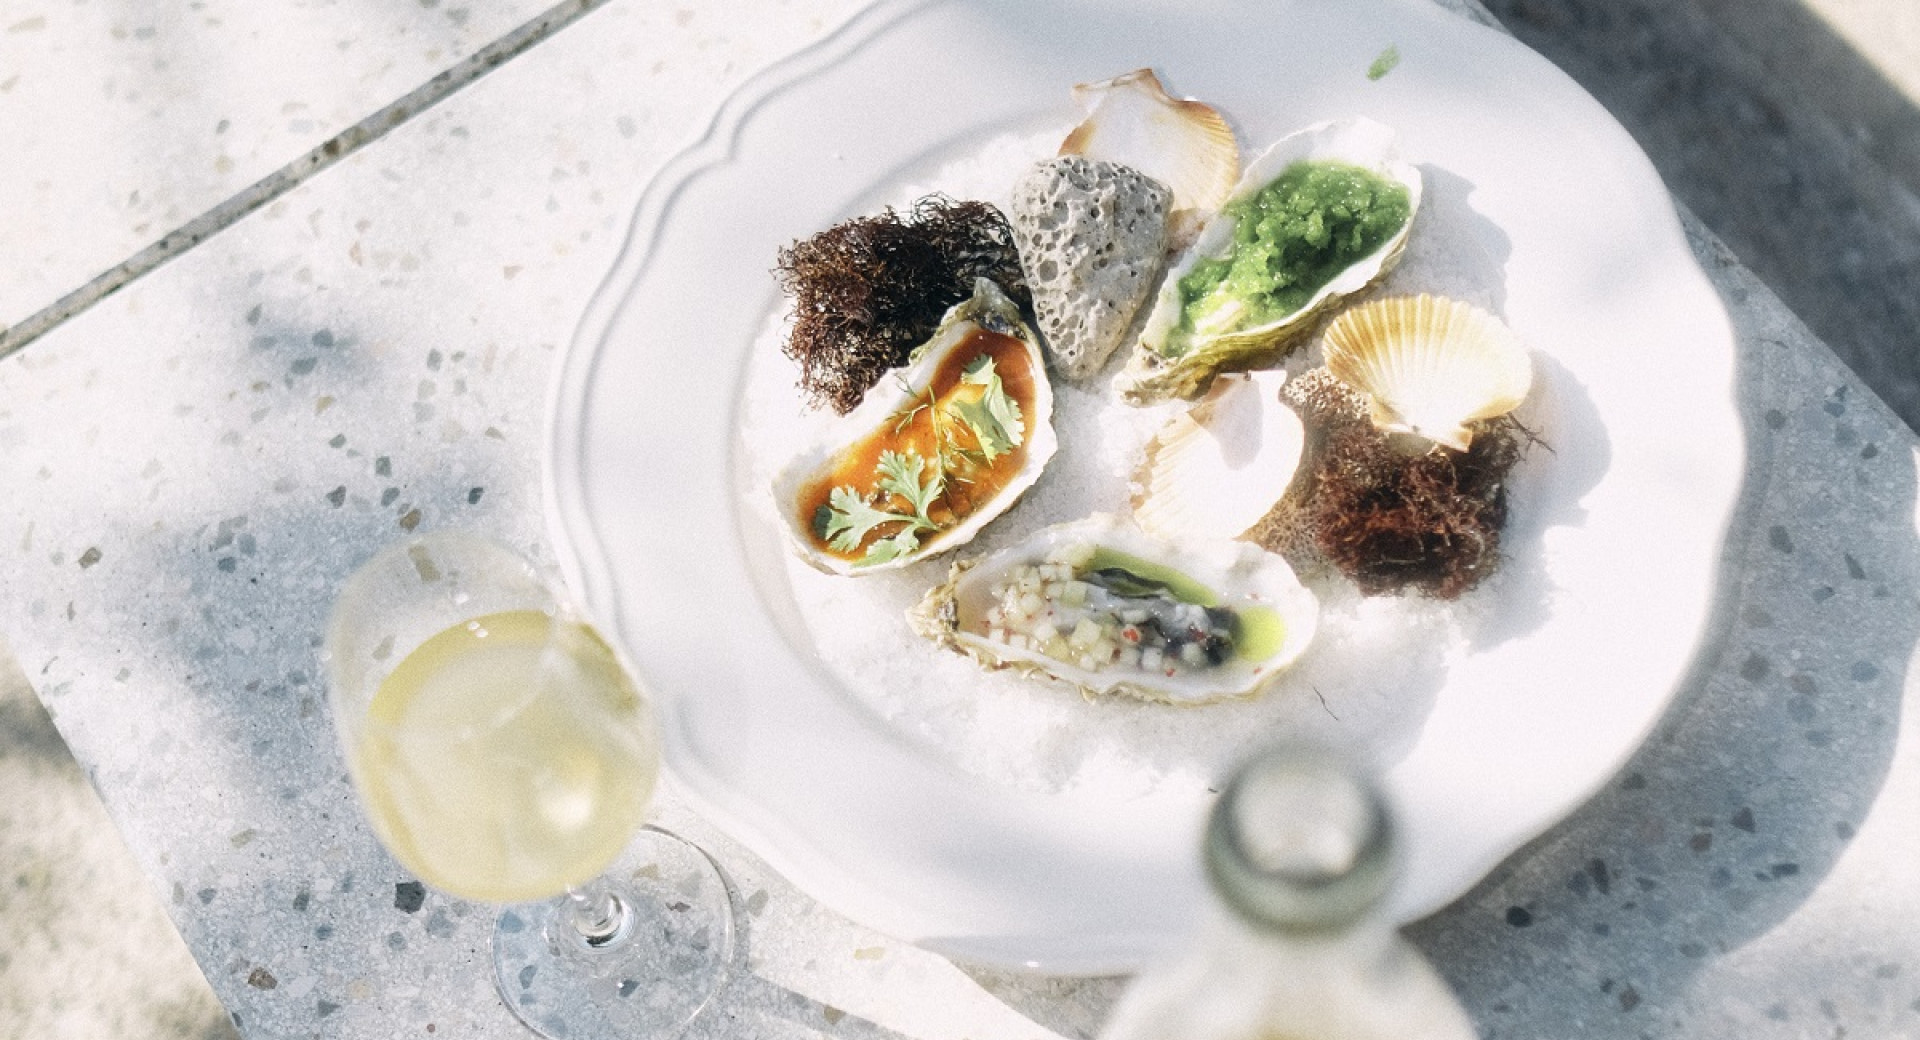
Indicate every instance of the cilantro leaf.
{"type": "Point", "coordinates": [847, 518]}
{"type": "Point", "coordinates": [901, 544]}
{"type": "Point", "coordinates": [900, 475]}
{"type": "Point", "coordinates": [850, 518]}
{"type": "Point", "coordinates": [995, 417]}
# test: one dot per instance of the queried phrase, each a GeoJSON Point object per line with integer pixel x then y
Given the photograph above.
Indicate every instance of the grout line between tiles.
{"type": "Point", "coordinates": [445, 84]}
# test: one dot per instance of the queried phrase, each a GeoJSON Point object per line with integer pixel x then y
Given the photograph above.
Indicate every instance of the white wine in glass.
{"type": "Point", "coordinates": [505, 755]}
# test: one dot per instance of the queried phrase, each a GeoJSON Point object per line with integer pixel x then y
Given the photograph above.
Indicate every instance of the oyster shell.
{"type": "Point", "coordinates": [1215, 469]}
{"type": "Point", "coordinates": [933, 453]}
{"type": "Point", "coordinates": [1101, 605]}
{"type": "Point", "coordinates": [1429, 365]}
{"type": "Point", "coordinates": [1172, 360]}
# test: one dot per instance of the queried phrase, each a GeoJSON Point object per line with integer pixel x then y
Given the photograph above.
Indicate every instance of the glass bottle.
{"type": "Point", "coordinates": [1299, 851]}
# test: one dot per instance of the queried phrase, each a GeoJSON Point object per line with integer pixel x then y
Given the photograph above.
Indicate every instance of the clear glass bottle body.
{"type": "Point", "coordinates": [1300, 853]}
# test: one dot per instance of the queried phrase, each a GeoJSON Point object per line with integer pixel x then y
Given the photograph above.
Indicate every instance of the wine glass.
{"type": "Point", "coordinates": [505, 755]}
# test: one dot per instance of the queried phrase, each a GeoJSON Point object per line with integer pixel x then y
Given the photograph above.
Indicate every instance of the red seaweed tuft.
{"type": "Point", "coordinates": [869, 290]}
{"type": "Point", "coordinates": [1393, 521]}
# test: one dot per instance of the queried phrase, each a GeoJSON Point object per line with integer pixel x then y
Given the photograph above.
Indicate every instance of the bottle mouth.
{"type": "Point", "coordinates": [1300, 840]}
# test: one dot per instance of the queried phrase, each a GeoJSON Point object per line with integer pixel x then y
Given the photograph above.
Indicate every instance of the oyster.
{"type": "Point", "coordinates": [1098, 604]}
{"type": "Point", "coordinates": [933, 453]}
{"type": "Point", "coordinates": [1215, 469]}
{"type": "Point", "coordinates": [1429, 365]}
{"type": "Point", "coordinates": [1323, 214]}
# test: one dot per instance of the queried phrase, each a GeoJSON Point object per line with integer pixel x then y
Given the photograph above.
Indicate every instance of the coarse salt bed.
{"type": "Point", "coordinates": [1368, 683]}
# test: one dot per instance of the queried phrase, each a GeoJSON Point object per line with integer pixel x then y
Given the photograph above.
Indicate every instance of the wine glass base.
{"type": "Point", "coordinates": [645, 983]}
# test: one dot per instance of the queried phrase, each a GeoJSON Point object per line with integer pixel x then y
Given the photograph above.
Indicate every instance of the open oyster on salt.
{"type": "Point", "coordinates": [1321, 215]}
{"type": "Point", "coordinates": [1098, 604]}
{"type": "Point", "coordinates": [935, 451]}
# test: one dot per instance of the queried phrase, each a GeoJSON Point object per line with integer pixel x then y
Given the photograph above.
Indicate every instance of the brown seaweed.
{"type": "Point", "coordinates": [1393, 512]}
{"type": "Point", "coordinates": [869, 290]}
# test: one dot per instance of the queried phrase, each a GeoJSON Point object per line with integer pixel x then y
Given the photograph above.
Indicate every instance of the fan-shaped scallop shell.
{"type": "Point", "coordinates": [1182, 143]}
{"type": "Point", "coordinates": [1215, 469]}
{"type": "Point", "coordinates": [1429, 365]}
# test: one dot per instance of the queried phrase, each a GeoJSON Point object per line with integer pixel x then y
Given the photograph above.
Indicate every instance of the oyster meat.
{"type": "Point", "coordinates": [1322, 215]}
{"type": "Point", "coordinates": [933, 453]}
{"type": "Point", "coordinates": [1103, 606]}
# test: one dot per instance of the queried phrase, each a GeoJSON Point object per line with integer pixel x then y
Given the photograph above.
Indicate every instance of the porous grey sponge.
{"type": "Point", "coordinates": [1092, 236]}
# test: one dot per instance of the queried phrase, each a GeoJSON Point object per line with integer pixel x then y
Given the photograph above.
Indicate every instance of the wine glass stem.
{"type": "Point", "coordinates": [598, 915]}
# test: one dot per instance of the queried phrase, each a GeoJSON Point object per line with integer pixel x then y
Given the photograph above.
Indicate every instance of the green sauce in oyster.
{"type": "Point", "coordinates": [1145, 573]}
{"type": "Point", "coordinates": [1290, 238]}
{"type": "Point", "coordinates": [1253, 632]}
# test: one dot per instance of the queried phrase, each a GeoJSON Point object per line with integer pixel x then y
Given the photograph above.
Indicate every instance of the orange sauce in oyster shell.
{"type": "Point", "coordinates": [971, 482]}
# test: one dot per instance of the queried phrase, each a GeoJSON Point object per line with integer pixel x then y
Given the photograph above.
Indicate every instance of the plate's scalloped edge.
{"type": "Point", "coordinates": [581, 553]}
{"type": "Point", "coordinates": [1679, 227]}
{"type": "Point", "coordinates": [577, 547]}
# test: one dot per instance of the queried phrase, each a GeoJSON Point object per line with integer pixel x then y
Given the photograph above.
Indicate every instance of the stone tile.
{"type": "Point", "coordinates": [1857, 61]}
{"type": "Point", "coordinates": [1748, 871]}
{"type": "Point", "coordinates": [123, 121]}
{"type": "Point", "coordinates": [1775, 121]}
{"type": "Point", "coordinates": [355, 360]}
{"type": "Point", "coordinates": [88, 951]}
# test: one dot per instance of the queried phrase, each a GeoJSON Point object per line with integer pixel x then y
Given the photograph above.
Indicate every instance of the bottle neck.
{"type": "Point", "coordinates": [1300, 847]}
{"type": "Point", "coordinates": [1232, 938]}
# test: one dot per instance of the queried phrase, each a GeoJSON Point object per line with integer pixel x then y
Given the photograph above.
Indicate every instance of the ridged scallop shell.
{"type": "Point", "coordinates": [1156, 372]}
{"type": "Point", "coordinates": [1273, 615]}
{"type": "Point", "coordinates": [1429, 365]}
{"type": "Point", "coordinates": [902, 391]}
{"type": "Point", "coordinates": [1214, 470]}
{"type": "Point", "coordinates": [1182, 143]}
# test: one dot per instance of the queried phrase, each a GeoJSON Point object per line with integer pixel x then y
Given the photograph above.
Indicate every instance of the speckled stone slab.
{"type": "Point", "coordinates": [86, 950]}
{"type": "Point", "coordinates": [188, 471]}
{"type": "Point", "coordinates": [1749, 873]}
{"type": "Point", "coordinates": [124, 121]}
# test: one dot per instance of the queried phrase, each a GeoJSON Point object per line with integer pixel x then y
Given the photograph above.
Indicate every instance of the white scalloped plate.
{"type": "Point", "coordinates": [1623, 525]}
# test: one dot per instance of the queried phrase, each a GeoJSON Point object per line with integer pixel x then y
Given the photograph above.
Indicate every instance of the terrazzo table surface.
{"type": "Point", "coordinates": [189, 468]}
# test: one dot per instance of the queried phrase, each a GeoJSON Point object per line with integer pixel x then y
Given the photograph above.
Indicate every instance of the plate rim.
{"type": "Point", "coordinates": [583, 555]}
